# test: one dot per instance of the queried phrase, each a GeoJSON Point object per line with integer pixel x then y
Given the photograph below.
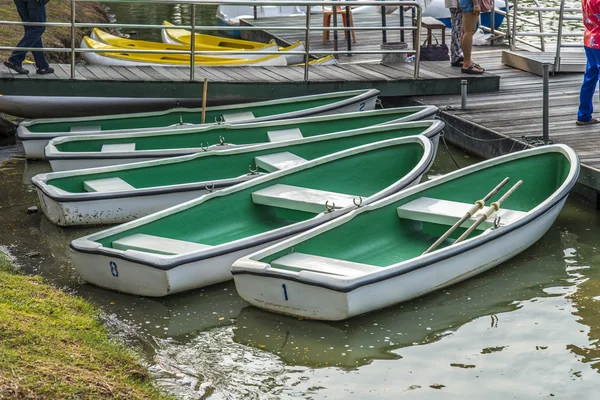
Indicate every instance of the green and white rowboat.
{"type": "Point", "coordinates": [194, 244]}
{"type": "Point", "coordinates": [377, 256]}
{"type": "Point", "coordinates": [89, 151]}
{"type": "Point", "coordinates": [116, 194]}
{"type": "Point", "coordinates": [35, 134]}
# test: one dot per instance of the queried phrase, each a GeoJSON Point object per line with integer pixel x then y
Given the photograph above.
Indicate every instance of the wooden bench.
{"type": "Point", "coordinates": [157, 244]}
{"type": "Point", "coordinates": [445, 212]}
{"type": "Point", "coordinates": [325, 265]}
{"type": "Point", "coordinates": [115, 184]}
{"type": "Point", "coordinates": [430, 23]}
{"type": "Point", "coordinates": [284, 134]}
{"type": "Point", "coordinates": [278, 161]}
{"type": "Point", "coordinates": [300, 199]}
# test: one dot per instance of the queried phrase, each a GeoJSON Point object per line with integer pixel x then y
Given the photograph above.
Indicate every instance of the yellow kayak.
{"type": "Point", "coordinates": [106, 38]}
{"type": "Point", "coordinates": [124, 58]}
{"type": "Point", "coordinates": [184, 37]}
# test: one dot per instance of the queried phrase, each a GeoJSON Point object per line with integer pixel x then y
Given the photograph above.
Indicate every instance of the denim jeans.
{"type": "Point", "coordinates": [31, 11]}
{"type": "Point", "coordinates": [588, 87]}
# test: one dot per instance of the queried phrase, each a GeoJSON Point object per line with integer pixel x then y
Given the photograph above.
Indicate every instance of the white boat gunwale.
{"type": "Point", "coordinates": [40, 181]}
{"type": "Point", "coordinates": [87, 244]}
{"type": "Point", "coordinates": [358, 96]}
{"type": "Point", "coordinates": [249, 265]}
{"type": "Point", "coordinates": [52, 153]}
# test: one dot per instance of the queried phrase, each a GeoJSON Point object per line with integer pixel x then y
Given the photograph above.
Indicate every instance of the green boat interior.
{"type": "Point", "coordinates": [188, 116]}
{"type": "Point", "coordinates": [274, 204]}
{"type": "Point", "coordinates": [264, 133]}
{"type": "Point", "coordinates": [214, 166]}
{"type": "Point", "coordinates": [406, 228]}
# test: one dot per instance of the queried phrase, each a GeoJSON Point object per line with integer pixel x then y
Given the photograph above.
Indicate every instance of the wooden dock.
{"type": "Point", "coordinates": [511, 119]}
{"type": "Point", "coordinates": [234, 84]}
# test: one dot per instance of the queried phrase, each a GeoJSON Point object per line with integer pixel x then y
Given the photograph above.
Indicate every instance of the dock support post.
{"type": "Point", "coordinates": [307, 43]}
{"type": "Point", "coordinates": [463, 94]}
{"type": "Point", "coordinates": [546, 102]}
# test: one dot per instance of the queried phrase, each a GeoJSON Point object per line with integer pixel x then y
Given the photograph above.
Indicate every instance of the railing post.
{"type": "Point", "coordinates": [559, 37]}
{"type": "Point", "coordinates": [193, 45]}
{"type": "Point", "coordinates": [493, 22]}
{"type": "Point", "coordinates": [401, 12]}
{"type": "Point", "coordinates": [513, 38]}
{"type": "Point", "coordinates": [418, 41]}
{"type": "Point", "coordinates": [72, 39]}
{"type": "Point", "coordinates": [546, 102]}
{"type": "Point", "coordinates": [335, 32]}
{"type": "Point", "coordinates": [307, 43]}
{"type": "Point", "coordinates": [349, 37]}
{"type": "Point", "coordinates": [383, 23]}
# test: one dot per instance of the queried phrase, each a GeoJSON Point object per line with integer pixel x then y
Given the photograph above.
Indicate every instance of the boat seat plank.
{"type": "Point", "coordinates": [238, 116]}
{"type": "Point", "coordinates": [284, 134]}
{"type": "Point", "coordinates": [332, 266]}
{"type": "Point", "coordinates": [118, 148]}
{"type": "Point", "coordinates": [300, 199]}
{"type": "Point", "coordinates": [278, 161]}
{"type": "Point", "coordinates": [85, 128]}
{"type": "Point", "coordinates": [445, 212]}
{"type": "Point", "coordinates": [156, 244]}
{"type": "Point", "coordinates": [106, 185]}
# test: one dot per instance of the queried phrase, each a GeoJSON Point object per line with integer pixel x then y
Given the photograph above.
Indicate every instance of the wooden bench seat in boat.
{"type": "Point", "coordinates": [117, 148]}
{"type": "Point", "coordinates": [85, 128]}
{"type": "Point", "coordinates": [445, 212]}
{"type": "Point", "coordinates": [156, 244]}
{"type": "Point", "coordinates": [278, 161]}
{"type": "Point", "coordinates": [284, 134]}
{"type": "Point", "coordinates": [238, 116]}
{"type": "Point", "coordinates": [300, 199]}
{"type": "Point", "coordinates": [106, 185]}
{"type": "Point", "coordinates": [325, 265]}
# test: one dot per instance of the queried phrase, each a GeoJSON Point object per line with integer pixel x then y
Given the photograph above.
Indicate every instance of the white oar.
{"type": "Point", "coordinates": [495, 206]}
{"type": "Point", "coordinates": [479, 204]}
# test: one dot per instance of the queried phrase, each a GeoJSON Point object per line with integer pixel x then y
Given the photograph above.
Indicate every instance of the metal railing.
{"type": "Point", "coordinates": [559, 35]}
{"type": "Point", "coordinates": [192, 52]}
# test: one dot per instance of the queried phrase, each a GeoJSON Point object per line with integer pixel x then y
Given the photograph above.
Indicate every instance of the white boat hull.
{"type": "Point", "coordinates": [315, 302]}
{"type": "Point", "coordinates": [111, 211]}
{"type": "Point", "coordinates": [71, 162]}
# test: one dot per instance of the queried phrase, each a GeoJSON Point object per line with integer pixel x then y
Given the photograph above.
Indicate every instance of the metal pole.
{"type": "Point", "coordinates": [401, 12]}
{"type": "Point", "coordinates": [335, 32]}
{"type": "Point", "coordinates": [72, 39]}
{"type": "Point", "coordinates": [255, 13]}
{"type": "Point", "coordinates": [559, 36]}
{"type": "Point", "coordinates": [513, 38]}
{"type": "Point", "coordinates": [545, 102]}
{"type": "Point", "coordinates": [418, 41]}
{"type": "Point", "coordinates": [463, 94]}
{"type": "Point", "coordinates": [349, 37]}
{"type": "Point", "coordinates": [493, 22]}
{"type": "Point", "coordinates": [383, 23]}
{"type": "Point", "coordinates": [193, 45]}
{"type": "Point", "coordinates": [307, 44]}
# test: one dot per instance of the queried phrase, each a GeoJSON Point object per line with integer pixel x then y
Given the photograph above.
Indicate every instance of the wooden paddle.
{"type": "Point", "coordinates": [479, 204]}
{"type": "Point", "coordinates": [204, 99]}
{"type": "Point", "coordinates": [495, 206]}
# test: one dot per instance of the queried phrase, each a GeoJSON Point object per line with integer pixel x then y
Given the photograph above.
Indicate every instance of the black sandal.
{"type": "Point", "coordinates": [18, 68]}
{"type": "Point", "coordinates": [469, 70]}
{"type": "Point", "coordinates": [458, 63]}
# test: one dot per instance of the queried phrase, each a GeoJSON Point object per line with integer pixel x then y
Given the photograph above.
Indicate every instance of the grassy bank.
{"type": "Point", "coordinates": [54, 346]}
{"type": "Point", "coordinates": [58, 37]}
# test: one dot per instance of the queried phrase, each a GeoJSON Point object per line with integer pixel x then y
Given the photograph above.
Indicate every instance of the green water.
{"type": "Point", "coordinates": [527, 329]}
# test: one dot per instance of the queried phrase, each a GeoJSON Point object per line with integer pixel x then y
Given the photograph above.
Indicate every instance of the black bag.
{"type": "Point", "coordinates": [434, 52]}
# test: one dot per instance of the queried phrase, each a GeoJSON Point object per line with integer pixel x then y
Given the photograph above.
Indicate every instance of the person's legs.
{"type": "Point", "coordinates": [469, 24]}
{"type": "Point", "coordinates": [18, 56]}
{"type": "Point", "coordinates": [588, 87]}
{"type": "Point", "coordinates": [455, 51]}
{"type": "Point", "coordinates": [37, 13]}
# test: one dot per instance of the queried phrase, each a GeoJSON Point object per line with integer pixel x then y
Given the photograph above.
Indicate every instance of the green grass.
{"type": "Point", "coordinates": [54, 346]}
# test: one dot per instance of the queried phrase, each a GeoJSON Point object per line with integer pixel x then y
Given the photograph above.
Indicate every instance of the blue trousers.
{"type": "Point", "coordinates": [31, 11]}
{"type": "Point", "coordinates": [588, 87]}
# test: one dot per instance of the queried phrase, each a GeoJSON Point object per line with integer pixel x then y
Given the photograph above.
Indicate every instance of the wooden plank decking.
{"type": "Point", "coordinates": [511, 119]}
